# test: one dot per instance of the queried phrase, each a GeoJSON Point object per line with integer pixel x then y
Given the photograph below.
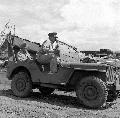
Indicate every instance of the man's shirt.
{"type": "Point", "coordinates": [48, 45]}
{"type": "Point", "coordinates": [23, 55]}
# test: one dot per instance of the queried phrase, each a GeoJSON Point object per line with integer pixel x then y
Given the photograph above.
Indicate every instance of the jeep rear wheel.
{"type": "Point", "coordinates": [46, 90]}
{"type": "Point", "coordinates": [21, 84]}
{"type": "Point", "coordinates": [91, 91]}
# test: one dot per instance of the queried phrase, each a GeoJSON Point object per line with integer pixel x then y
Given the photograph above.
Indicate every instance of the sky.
{"type": "Point", "coordinates": [85, 24]}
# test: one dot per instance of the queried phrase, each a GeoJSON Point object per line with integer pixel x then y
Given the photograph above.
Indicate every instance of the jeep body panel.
{"type": "Point", "coordinates": [32, 68]}
{"type": "Point", "coordinates": [62, 77]}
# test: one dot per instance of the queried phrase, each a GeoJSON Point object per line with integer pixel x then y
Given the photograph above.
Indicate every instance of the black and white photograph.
{"type": "Point", "coordinates": [59, 58]}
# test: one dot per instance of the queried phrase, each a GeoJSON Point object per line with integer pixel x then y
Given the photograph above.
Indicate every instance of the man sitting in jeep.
{"type": "Point", "coordinates": [49, 52]}
{"type": "Point", "coordinates": [23, 54]}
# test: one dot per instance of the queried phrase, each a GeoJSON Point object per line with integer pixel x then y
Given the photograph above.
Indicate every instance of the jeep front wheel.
{"type": "Point", "coordinates": [21, 84]}
{"type": "Point", "coordinates": [91, 91]}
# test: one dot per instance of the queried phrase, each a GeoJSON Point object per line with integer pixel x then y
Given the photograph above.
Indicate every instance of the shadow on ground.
{"type": "Point", "coordinates": [53, 99]}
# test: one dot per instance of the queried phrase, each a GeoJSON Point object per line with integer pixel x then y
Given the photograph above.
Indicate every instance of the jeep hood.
{"type": "Point", "coordinates": [86, 66]}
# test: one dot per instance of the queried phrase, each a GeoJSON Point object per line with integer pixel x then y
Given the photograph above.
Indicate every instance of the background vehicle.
{"type": "Point", "coordinates": [94, 83]}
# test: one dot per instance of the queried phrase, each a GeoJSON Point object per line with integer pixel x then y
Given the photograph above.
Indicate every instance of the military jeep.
{"type": "Point", "coordinates": [94, 83]}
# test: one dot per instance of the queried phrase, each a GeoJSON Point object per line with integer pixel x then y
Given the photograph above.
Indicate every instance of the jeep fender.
{"type": "Point", "coordinates": [79, 74]}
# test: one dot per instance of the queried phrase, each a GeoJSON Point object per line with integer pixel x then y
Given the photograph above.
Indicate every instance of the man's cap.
{"type": "Point", "coordinates": [53, 34]}
{"type": "Point", "coordinates": [23, 45]}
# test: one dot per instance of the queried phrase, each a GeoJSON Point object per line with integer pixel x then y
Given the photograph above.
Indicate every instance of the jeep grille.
{"type": "Point", "coordinates": [110, 74]}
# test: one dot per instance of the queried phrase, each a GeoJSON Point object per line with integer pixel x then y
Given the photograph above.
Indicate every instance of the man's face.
{"type": "Point", "coordinates": [52, 39]}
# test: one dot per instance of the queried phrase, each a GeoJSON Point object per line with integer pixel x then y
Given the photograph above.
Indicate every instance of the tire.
{"type": "Point", "coordinates": [21, 84]}
{"type": "Point", "coordinates": [46, 90]}
{"type": "Point", "coordinates": [91, 91]}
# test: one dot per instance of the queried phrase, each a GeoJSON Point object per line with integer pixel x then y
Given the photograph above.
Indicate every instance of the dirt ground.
{"type": "Point", "coordinates": [57, 105]}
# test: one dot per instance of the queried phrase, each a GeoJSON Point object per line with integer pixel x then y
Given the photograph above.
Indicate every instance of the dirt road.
{"type": "Point", "coordinates": [57, 105]}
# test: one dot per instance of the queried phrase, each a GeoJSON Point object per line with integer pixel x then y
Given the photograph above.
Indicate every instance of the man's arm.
{"type": "Point", "coordinates": [56, 49]}
{"type": "Point", "coordinates": [28, 55]}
